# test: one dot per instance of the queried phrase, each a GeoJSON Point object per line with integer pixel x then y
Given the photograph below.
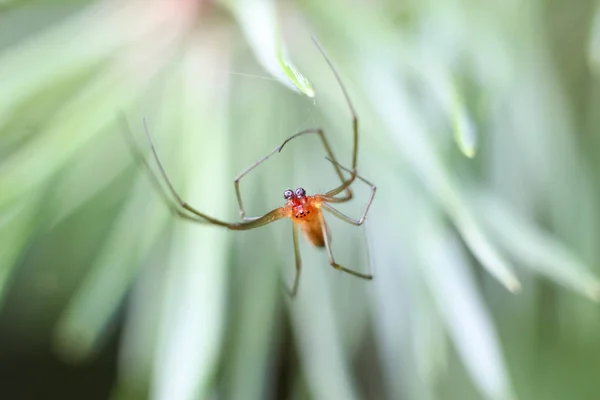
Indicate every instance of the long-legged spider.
{"type": "Point", "coordinates": [304, 210]}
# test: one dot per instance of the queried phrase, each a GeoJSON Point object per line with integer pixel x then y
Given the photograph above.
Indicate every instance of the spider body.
{"type": "Point", "coordinates": [305, 212]}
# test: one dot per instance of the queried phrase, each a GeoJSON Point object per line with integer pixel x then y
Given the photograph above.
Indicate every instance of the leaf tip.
{"type": "Point", "coordinates": [514, 286]}
{"type": "Point", "coordinates": [594, 292]}
{"type": "Point", "coordinates": [469, 152]}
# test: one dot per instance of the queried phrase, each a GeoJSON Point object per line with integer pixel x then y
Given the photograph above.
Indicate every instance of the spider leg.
{"type": "Point", "coordinates": [330, 199]}
{"type": "Point", "coordinates": [236, 184]}
{"type": "Point", "coordinates": [332, 260]}
{"type": "Point", "coordinates": [348, 101]}
{"type": "Point", "coordinates": [183, 206]}
{"type": "Point", "coordinates": [344, 185]}
{"type": "Point", "coordinates": [141, 159]}
{"type": "Point", "coordinates": [297, 260]}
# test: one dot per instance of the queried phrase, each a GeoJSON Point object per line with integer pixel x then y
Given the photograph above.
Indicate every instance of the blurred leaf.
{"type": "Point", "coordinates": [594, 42]}
{"type": "Point", "coordinates": [410, 137]}
{"type": "Point", "coordinates": [103, 29]}
{"type": "Point", "coordinates": [453, 288]}
{"type": "Point", "coordinates": [465, 133]}
{"type": "Point", "coordinates": [194, 307]}
{"type": "Point", "coordinates": [78, 122]}
{"type": "Point", "coordinates": [84, 321]}
{"type": "Point", "coordinates": [140, 336]}
{"type": "Point", "coordinates": [16, 226]}
{"type": "Point", "coordinates": [258, 20]}
{"type": "Point", "coordinates": [537, 249]}
{"type": "Point", "coordinates": [321, 353]}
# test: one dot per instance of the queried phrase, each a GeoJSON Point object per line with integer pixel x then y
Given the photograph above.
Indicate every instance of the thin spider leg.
{"type": "Point", "coordinates": [342, 216]}
{"type": "Point", "coordinates": [328, 199]}
{"type": "Point", "coordinates": [236, 184]}
{"type": "Point", "coordinates": [368, 250]}
{"type": "Point", "coordinates": [178, 198]}
{"type": "Point", "coordinates": [297, 260]}
{"type": "Point", "coordinates": [329, 195]}
{"type": "Point", "coordinates": [344, 186]}
{"type": "Point", "coordinates": [337, 190]}
{"type": "Point", "coordinates": [141, 159]}
{"type": "Point", "coordinates": [271, 216]}
{"type": "Point", "coordinates": [347, 97]}
{"type": "Point", "coordinates": [330, 254]}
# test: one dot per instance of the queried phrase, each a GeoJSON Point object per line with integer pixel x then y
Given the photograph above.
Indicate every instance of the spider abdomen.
{"type": "Point", "coordinates": [309, 221]}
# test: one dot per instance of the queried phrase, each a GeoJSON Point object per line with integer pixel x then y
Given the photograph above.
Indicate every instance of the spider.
{"type": "Point", "coordinates": [304, 210]}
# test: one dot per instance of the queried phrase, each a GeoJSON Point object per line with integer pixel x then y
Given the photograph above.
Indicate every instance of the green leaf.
{"type": "Point", "coordinates": [453, 288]}
{"type": "Point", "coordinates": [537, 249]}
{"type": "Point", "coordinates": [193, 315]}
{"type": "Point", "coordinates": [258, 20]}
{"type": "Point", "coordinates": [83, 323]}
{"type": "Point", "coordinates": [465, 133]}
{"type": "Point", "coordinates": [411, 140]}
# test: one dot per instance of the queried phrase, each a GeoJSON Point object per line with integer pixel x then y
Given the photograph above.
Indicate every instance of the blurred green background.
{"type": "Point", "coordinates": [479, 126]}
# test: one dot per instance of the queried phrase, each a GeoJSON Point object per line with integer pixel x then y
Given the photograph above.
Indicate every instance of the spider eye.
{"type": "Point", "coordinates": [300, 192]}
{"type": "Point", "coordinates": [288, 194]}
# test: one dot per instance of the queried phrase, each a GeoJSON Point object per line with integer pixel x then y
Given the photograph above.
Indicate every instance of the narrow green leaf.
{"type": "Point", "coordinates": [412, 141]}
{"type": "Point", "coordinates": [320, 349]}
{"type": "Point", "coordinates": [16, 225]}
{"type": "Point", "coordinates": [258, 21]}
{"type": "Point", "coordinates": [465, 133]}
{"type": "Point", "coordinates": [83, 323]}
{"type": "Point", "coordinates": [537, 249]}
{"type": "Point", "coordinates": [483, 248]}
{"type": "Point", "coordinates": [194, 310]}
{"type": "Point", "coordinates": [102, 29]}
{"type": "Point", "coordinates": [93, 109]}
{"type": "Point", "coordinates": [404, 314]}
{"type": "Point", "coordinates": [454, 289]}
{"type": "Point", "coordinates": [140, 336]}
{"type": "Point", "coordinates": [594, 42]}
{"type": "Point", "coordinates": [255, 327]}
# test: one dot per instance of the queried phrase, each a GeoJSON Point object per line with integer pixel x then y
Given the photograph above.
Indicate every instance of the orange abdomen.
{"type": "Point", "coordinates": [309, 220]}
{"type": "Point", "coordinates": [313, 232]}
